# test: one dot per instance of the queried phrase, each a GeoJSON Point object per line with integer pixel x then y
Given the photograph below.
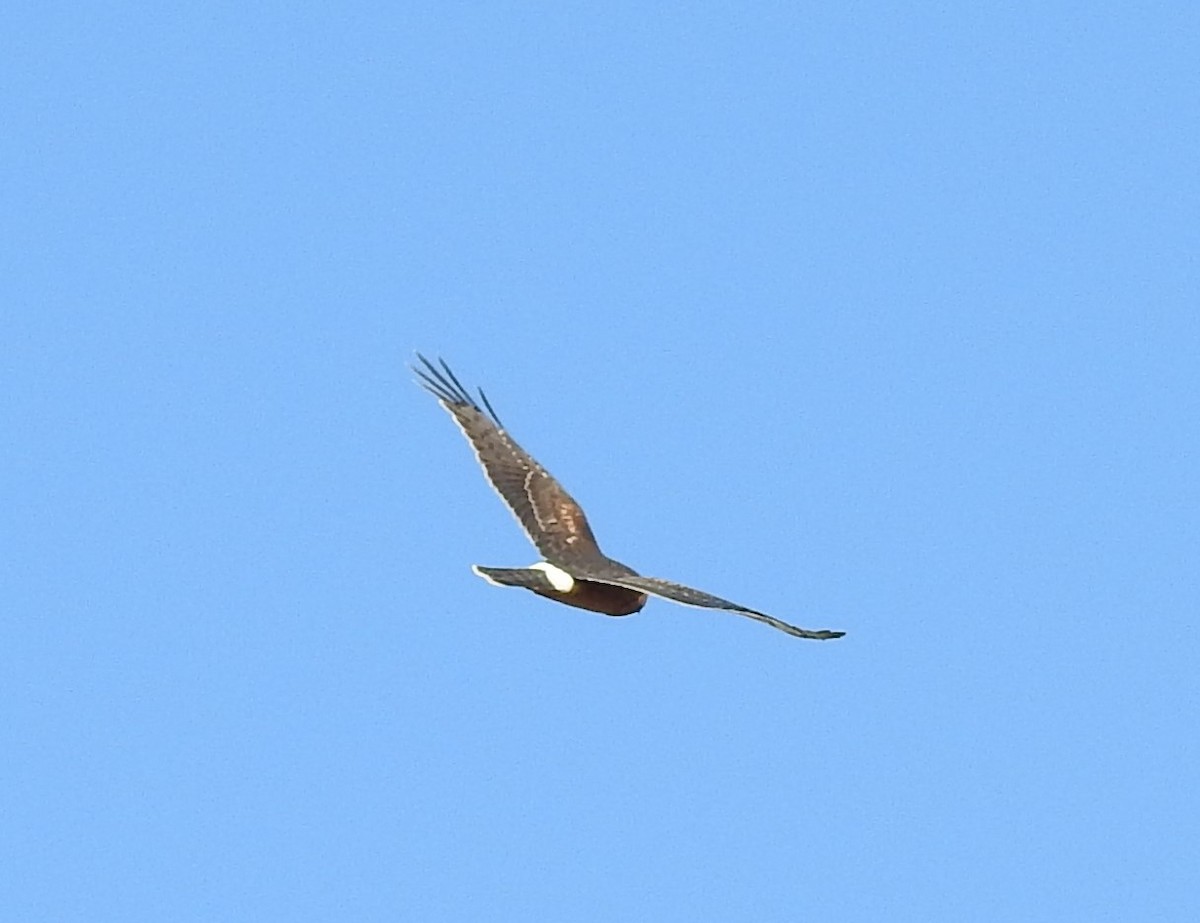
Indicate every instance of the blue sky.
{"type": "Point", "coordinates": [876, 318]}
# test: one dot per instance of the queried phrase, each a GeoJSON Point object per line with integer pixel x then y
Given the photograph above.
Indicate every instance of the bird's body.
{"type": "Point", "coordinates": [574, 570]}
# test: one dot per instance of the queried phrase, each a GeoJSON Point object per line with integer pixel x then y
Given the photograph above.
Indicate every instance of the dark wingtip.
{"type": "Point", "coordinates": [488, 405]}
{"type": "Point", "coordinates": [436, 384]}
{"type": "Point", "coordinates": [454, 378]}
{"type": "Point", "coordinates": [443, 384]}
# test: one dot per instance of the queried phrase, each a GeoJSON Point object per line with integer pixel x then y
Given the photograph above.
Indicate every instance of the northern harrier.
{"type": "Point", "coordinates": [575, 571]}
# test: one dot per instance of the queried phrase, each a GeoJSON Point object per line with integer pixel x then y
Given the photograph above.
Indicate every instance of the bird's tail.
{"type": "Point", "coordinates": [525, 577]}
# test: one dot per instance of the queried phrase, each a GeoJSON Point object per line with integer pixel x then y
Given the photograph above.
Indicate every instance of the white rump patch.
{"type": "Point", "coordinates": [559, 578]}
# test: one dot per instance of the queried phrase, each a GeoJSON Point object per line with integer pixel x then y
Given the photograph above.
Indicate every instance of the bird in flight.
{"type": "Point", "coordinates": [574, 570]}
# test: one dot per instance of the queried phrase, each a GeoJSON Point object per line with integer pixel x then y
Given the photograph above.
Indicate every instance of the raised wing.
{"type": "Point", "coordinates": [550, 517]}
{"type": "Point", "coordinates": [679, 593]}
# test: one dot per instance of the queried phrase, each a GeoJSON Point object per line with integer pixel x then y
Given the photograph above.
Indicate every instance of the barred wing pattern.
{"type": "Point", "coordinates": [677, 592]}
{"type": "Point", "coordinates": [551, 518]}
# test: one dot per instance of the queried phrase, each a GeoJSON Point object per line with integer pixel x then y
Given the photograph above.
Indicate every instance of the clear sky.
{"type": "Point", "coordinates": [876, 318]}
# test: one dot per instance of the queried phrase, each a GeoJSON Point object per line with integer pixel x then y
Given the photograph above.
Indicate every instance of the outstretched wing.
{"type": "Point", "coordinates": [679, 593]}
{"type": "Point", "coordinates": [553, 521]}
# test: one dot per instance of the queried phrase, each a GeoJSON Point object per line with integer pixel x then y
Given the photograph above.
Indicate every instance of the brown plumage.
{"type": "Point", "coordinates": [574, 570]}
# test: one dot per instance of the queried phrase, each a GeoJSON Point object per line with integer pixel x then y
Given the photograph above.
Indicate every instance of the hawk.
{"type": "Point", "coordinates": [574, 570]}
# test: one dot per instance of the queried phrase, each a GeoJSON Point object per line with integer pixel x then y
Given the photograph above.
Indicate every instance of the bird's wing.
{"type": "Point", "coordinates": [554, 522]}
{"type": "Point", "coordinates": [679, 593]}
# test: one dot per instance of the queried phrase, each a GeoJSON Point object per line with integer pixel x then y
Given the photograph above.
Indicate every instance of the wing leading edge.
{"type": "Point", "coordinates": [687, 596]}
